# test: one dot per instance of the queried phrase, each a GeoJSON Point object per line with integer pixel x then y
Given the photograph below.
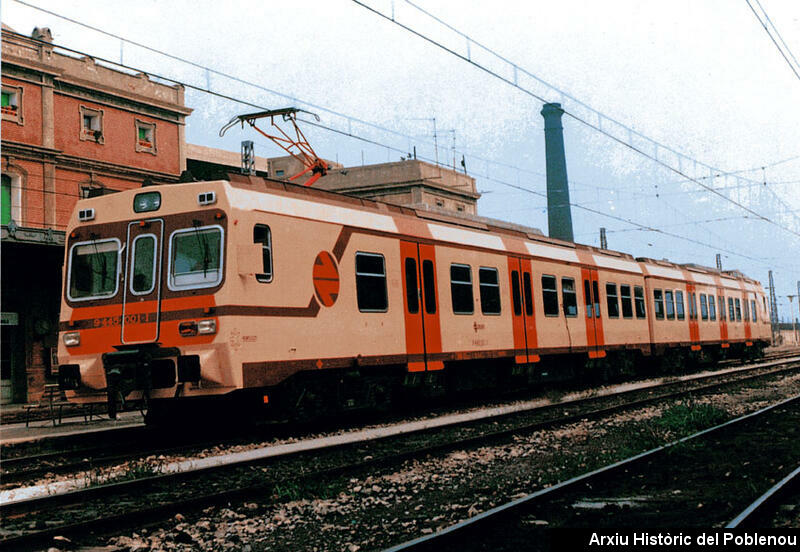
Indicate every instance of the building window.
{"type": "Point", "coordinates": [638, 299]}
{"type": "Point", "coordinates": [703, 306]}
{"type": "Point", "coordinates": [568, 297]}
{"type": "Point", "coordinates": [658, 302]}
{"type": "Point", "coordinates": [712, 308]}
{"type": "Point", "coordinates": [371, 282]}
{"type": "Point", "coordinates": [490, 290]}
{"type": "Point", "coordinates": [439, 203]}
{"type": "Point", "coordinates": [145, 137]}
{"type": "Point", "coordinates": [461, 289]}
{"type": "Point", "coordinates": [679, 310]}
{"type": "Point", "coordinates": [549, 295]}
{"type": "Point", "coordinates": [612, 300]}
{"type": "Point", "coordinates": [280, 172]}
{"type": "Point", "coordinates": [5, 200]}
{"type": "Point", "coordinates": [91, 125]}
{"type": "Point", "coordinates": [262, 235]}
{"type": "Point", "coordinates": [12, 103]}
{"type": "Point", "coordinates": [460, 208]}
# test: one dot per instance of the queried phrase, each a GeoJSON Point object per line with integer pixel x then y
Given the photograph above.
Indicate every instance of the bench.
{"type": "Point", "coordinates": [51, 400]}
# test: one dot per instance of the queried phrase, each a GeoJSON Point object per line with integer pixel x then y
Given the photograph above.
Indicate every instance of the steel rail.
{"type": "Point", "coordinates": [437, 541]}
{"type": "Point", "coordinates": [108, 459]}
{"type": "Point", "coordinates": [767, 502]}
{"type": "Point", "coordinates": [165, 509]}
{"type": "Point", "coordinates": [124, 486]}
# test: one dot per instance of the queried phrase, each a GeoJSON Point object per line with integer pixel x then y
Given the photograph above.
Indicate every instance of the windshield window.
{"type": "Point", "coordinates": [93, 269]}
{"type": "Point", "coordinates": [196, 258]}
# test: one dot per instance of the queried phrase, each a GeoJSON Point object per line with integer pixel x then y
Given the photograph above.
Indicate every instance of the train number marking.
{"type": "Point", "coordinates": [326, 279]}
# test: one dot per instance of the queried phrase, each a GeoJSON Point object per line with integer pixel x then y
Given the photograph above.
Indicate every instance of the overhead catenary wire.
{"type": "Point", "coordinates": [350, 134]}
{"type": "Point", "coordinates": [792, 66]}
{"type": "Point", "coordinates": [573, 116]}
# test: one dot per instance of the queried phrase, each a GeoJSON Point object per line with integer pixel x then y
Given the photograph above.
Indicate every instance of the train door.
{"type": "Point", "coordinates": [523, 323]}
{"type": "Point", "coordinates": [423, 330]}
{"type": "Point", "coordinates": [594, 321]}
{"type": "Point", "coordinates": [141, 307]}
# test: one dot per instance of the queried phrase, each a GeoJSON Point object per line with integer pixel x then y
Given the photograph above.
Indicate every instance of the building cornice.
{"type": "Point", "coordinates": [28, 152]}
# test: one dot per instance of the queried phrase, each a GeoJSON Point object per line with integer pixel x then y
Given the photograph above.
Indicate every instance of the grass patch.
{"type": "Point", "coordinates": [684, 419]}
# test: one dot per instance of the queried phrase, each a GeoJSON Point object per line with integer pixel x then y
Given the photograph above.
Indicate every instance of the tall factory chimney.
{"type": "Point", "coordinates": [559, 217]}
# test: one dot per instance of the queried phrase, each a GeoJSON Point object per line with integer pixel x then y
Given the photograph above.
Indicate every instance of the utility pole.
{"type": "Point", "coordinates": [773, 308]}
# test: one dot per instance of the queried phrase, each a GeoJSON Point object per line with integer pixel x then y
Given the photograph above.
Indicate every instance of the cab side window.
{"type": "Point", "coordinates": [263, 236]}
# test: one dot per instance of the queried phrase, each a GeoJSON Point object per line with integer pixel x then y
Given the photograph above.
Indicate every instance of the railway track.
{"type": "Point", "coordinates": [127, 444]}
{"type": "Point", "coordinates": [157, 496]}
{"type": "Point", "coordinates": [697, 481]}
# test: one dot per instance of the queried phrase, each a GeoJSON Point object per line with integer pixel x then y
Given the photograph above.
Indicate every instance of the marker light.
{"type": "Point", "coordinates": [71, 339]}
{"type": "Point", "coordinates": [207, 326]}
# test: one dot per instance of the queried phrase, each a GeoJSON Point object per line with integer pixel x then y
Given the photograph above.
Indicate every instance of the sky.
{"type": "Point", "coordinates": [700, 81]}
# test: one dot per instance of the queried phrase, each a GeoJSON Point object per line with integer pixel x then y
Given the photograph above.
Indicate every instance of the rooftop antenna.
{"type": "Point", "coordinates": [298, 147]}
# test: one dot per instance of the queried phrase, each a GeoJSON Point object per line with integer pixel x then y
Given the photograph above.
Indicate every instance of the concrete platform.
{"type": "Point", "coordinates": [15, 433]}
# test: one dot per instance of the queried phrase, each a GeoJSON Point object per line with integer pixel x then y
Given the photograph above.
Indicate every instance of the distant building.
{"type": "Point", "coordinates": [71, 128]}
{"type": "Point", "coordinates": [410, 183]}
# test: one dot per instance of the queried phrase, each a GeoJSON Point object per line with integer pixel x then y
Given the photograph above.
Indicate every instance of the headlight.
{"type": "Point", "coordinates": [207, 326]}
{"type": "Point", "coordinates": [72, 339]}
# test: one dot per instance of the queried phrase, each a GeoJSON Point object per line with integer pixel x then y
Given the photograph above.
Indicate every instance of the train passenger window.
{"type": "Point", "coordinates": [527, 288]}
{"type": "Point", "coordinates": [262, 235]}
{"type": "Point", "coordinates": [143, 265]}
{"type": "Point", "coordinates": [625, 299]}
{"type": "Point", "coordinates": [596, 295]}
{"type": "Point", "coordinates": [371, 282]}
{"type": "Point", "coordinates": [489, 284]}
{"type": "Point", "coordinates": [429, 286]}
{"type": "Point", "coordinates": [738, 310]}
{"type": "Point", "coordinates": [195, 259]}
{"type": "Point", "coordinates": [461, 289]}
{"type": "Point", "coordinates": [731, 312]}
{"type": "Point", "coordinates": [549, 295]}
{"type": "Point", "coordinates": [412, 291]}
{"type": "Point", "coordinates": [753, 305]}
{"type": "Point", "coordinates": [669, 303]}
{"type": "Point", "coordinates": [568, 297]}
{"type": "Point", "coordinates": [746, 313]}
{"type": "Point", "coordinates": [93, 270]}
{"type": "Point", "coordinates": [612, 300]}
{"type": "Point", "coordinates": [516, 293]}
{"type": "Point", "coordinates": [703, 306]}
{"type": "Point", "coordinates": [679, 310]}
{"type": "Point", "coordinates": [712, 308]}
{"type": "Point", "coordinates": [638, 299]}
{"type": "Point", "coordinates": [587, 298]}
{"type": "Point", "coordinates": [658, 302]}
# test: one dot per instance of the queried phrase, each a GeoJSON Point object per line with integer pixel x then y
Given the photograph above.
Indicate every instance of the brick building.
{"type": "Point", "coordinates": [70, 128]}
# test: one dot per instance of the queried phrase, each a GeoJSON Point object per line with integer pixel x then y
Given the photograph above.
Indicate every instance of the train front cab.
{"type": "Point", "coordinates": [141, 280]}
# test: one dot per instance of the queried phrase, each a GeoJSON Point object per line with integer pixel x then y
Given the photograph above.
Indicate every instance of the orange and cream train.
{"type": "Point", "coordinates": [271, 293]}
